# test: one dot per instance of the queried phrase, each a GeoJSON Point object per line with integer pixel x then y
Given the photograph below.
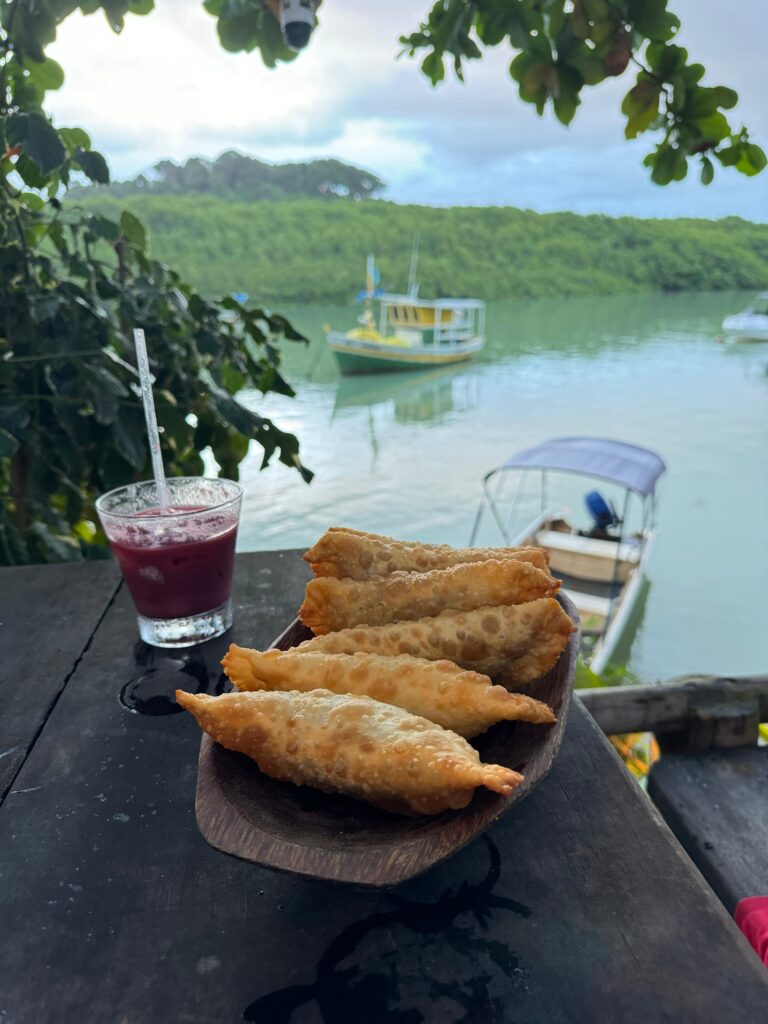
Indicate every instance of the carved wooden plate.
{"type": "Point", "coordinates": [295, 828]}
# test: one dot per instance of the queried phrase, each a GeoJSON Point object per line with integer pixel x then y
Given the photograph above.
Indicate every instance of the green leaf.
{"type": "Point", "coordinates": [32, 201]}
{"type": "Point", "coordinates": [103, 227]}
{"type": "Point", "coordinates": [93, 164]}
{"type": "Point", "coordinates": [641, 107]}
{"type": "Point", "coordinates": [433, 67]}
{"type": "Point", "coordinates": [566, 98]}
{"type": "Point", "coordinates": [539, 75]}
{"type": "Point", "coordinates": [664, 165]}
{"type": "Point", "coordinates": [105, 405]}
{"type": "Point", "coordinates": [679, 93]}
{"type": "Point", "coordinates": [8, 444]}
{"type": "Point", "coordinates": [752, 159]}
{"type": "Point", "coordinates": [74, 138]}
{"type": "Point", "coordinates": [38, 139]}
{"type": "Point", "coordinates": [726, 98]}
{"type": "Point", "coordinates": [129, 435]}
{"type": "Point", "coordinates": [46, 74]}
{"type": "Point", "coordinates": [30, 173]}
{"type": "Point", "coordinates": [14, 417]}
{"type": "Point", "coordinates": [712, 128]}
{"type": "Point", "coordinates": [44, 305]}
{"type": "Point", "coordinates": [704, 101]}
{"type": "Point", "coordinates": [232, 379]}
{"type": "Point", "coordinates": [588, 66]}
{"type": "Point", "coordinates": [101, 376]}
{"type": "Point", "coordinates": [729, 156]}
{"type": "Point", "coordinates": [240, 31]}
{"type": "Point", "coordinates": [666, 60]}
{"type": "Point", "coordinates": [55, 547]}
{"type": "Point", "coordinates": [492, 26]}
{"type": "Point", "coordinates": [694, 73]}
{"type": "Point", "coordinates": [651, 19]}
{"type": "Point", "coordinates": [707, 171]}
{"type": "Point", "coordinates": [280, 325]}
{"type": "Point", "coordinates": [133, 230]}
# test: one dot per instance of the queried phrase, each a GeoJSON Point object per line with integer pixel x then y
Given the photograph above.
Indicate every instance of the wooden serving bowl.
{"type": "Point", "coordinates": [243, 812]}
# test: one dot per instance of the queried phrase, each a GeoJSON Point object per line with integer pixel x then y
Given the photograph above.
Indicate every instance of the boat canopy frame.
{"type": "Point", "coordinates": [635, 469]}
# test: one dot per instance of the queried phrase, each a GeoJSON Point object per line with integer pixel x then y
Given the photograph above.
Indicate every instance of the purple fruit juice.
{"type": "Point", "coordinates": [179, 569]}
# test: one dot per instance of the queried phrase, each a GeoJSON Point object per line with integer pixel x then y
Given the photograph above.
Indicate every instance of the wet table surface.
{"type": "Point", "coordinates": [578, 906]}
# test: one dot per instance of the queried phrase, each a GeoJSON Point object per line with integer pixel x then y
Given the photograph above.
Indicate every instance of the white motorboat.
{"type": "Point", "coordinates": [751, 324]}
{"type": "Point", "coordinates": [602, 567]}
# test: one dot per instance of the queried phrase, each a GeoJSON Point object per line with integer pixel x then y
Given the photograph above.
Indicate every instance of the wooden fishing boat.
{"type": "Point", "coordinates": [408, 333]}
{"type": "Point", "coordinates": [602, 566]}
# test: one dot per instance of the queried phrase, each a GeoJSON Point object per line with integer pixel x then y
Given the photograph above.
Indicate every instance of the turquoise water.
{"type": "Point", "coordinates": [405, 453]}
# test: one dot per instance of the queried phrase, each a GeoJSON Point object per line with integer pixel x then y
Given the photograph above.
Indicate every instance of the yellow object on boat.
{"type": "Point", "coordinates": [371, 334]}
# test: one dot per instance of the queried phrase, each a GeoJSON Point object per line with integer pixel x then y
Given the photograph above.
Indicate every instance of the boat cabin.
{"type": "Point", "coordinates": [431, 322]}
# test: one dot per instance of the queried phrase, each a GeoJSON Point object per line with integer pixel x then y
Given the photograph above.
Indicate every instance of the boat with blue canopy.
{"type": "Point", "coordinates": [603, 561]}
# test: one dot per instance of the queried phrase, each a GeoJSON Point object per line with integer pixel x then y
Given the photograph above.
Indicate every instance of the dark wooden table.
{"type": "Point", "coordinates": [580, 906]}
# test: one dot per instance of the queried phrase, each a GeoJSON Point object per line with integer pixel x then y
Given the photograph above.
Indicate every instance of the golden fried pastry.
{"type": "Point", "coordinates": [331, 604]}
{"type": "Point", "coordinates": [466, 702]}
{"type": "Point", "coordinates": [359, 556]}
{"type": "Point", "coordinates": [513, 644]}
{"type": "Point", "coordinates": [352, 745]}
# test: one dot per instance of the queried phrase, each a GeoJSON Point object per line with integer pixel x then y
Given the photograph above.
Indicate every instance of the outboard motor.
{"type": "Point", "coordinates": [603, 514]}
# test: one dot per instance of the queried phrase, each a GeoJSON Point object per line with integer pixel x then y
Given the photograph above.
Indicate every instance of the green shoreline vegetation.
{"type": "Point", "coordinates": [298, 250]}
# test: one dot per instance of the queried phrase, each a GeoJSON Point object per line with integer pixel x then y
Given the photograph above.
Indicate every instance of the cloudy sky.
{"type": "Point", "coordinates": [165, 88]}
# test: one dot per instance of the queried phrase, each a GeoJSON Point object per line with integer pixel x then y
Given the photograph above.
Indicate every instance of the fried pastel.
{"type": "Point", "coordinates": [349, 554]}
{"type": "Point", "coordinates": [514, 644]}
{"type": "Point", "coordinates": [466, 702]}
{"type": "Point", "coordinates": [351, 745]}
{"type": "Point", "coordinates": [331, 604]}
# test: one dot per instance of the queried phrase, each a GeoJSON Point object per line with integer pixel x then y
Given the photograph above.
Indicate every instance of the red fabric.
{"type": "Point", "coordinates": [752, 917]}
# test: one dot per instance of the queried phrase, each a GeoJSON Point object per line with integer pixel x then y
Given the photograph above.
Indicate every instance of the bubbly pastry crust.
{"type": "Point", "coordinates": [465, 702]}
{"type": "Point", "coordinates": [351, 745]}
{"type": "Point", "coordinates": [331, 604]}
{"type": "Point", "coordinates": [514, 644]}
{"type": "Point", "coordinates": [343, 553]}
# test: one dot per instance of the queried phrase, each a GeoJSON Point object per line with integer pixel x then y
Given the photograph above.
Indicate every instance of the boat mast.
{"type": "Point", "coordinates": [413, 288]}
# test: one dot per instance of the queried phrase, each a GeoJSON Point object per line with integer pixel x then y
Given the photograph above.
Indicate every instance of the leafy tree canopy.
{"type": "Point", "coordinates": [564, 46]}
{"type": "Point", "coordinates": [560, 48]}
{"type": "Point", "coordinates": [235, 176]}
{"type": "Point", "coordinates": [316, 253]}
{"type": "Point", "coordinates": [73, 284]}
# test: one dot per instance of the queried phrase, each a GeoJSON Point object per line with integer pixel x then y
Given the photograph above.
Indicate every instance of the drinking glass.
{"type": "Point", "coordinates": [177, 563]}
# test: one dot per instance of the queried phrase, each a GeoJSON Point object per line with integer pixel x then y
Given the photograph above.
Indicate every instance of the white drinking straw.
{"type": "Point", "coordinates": [151, 418]}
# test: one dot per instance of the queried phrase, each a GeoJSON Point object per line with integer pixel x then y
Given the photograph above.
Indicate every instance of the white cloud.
{"type": "Point", "coordinates": [165, 88]}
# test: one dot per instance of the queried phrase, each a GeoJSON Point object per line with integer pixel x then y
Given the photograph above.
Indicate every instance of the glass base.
{"type": "Point", "coordinates": [187, 631]}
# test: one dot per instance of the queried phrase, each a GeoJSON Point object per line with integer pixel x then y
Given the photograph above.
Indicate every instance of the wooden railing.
{"type": "Point", "coordinates": [686, 714]}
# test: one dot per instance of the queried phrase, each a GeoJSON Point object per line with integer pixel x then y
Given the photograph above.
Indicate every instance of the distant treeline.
{"type": "Point", "coordinates": [309, 251]}
{"type": "Point", "coordinates": [236, 176]}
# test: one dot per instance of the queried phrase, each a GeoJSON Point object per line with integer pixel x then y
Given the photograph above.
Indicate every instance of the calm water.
{"type": "Point", "coordinates": [404, 453]}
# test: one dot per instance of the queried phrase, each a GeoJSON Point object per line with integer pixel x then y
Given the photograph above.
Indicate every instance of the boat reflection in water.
{"type": "Point", "coordinates": [426, 397]}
